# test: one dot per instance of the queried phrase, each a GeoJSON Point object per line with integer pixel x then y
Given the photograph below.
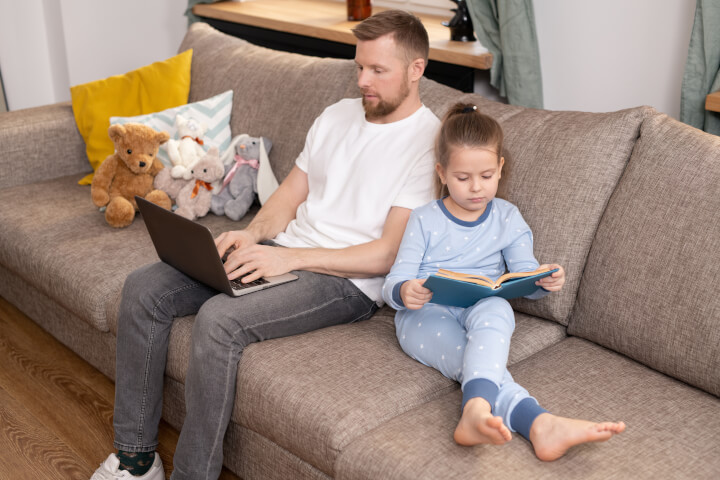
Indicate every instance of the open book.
{"type": "Point", "coordinates": [462, 289]}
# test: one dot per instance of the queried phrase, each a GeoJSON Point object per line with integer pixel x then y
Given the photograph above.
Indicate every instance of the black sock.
{"type": "Point", "coordinates": [137, 463]}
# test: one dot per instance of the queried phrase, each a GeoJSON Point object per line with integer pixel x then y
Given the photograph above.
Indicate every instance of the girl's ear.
{"type": "Point", "coordinates": [440, 173]}
{"type": "Point", "coordinates": [502, 162]}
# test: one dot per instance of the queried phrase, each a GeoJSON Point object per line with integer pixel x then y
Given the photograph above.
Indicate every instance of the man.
{"type": "Point", "coordinates": [340, 214]}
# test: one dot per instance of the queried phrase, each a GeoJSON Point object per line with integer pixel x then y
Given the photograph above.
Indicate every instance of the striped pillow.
{"type": "Point", "coordinates": [214, 112]}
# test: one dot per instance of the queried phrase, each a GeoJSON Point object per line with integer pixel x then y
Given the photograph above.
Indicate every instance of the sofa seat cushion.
{"type": "Point", "coordinates": [650, 288]}
{"type": "Point", "coordinates": [531, 335]}
{"type": "Point", "coordinates": [671, 427]}
{"type": "Point", "coordinates": [313, 394]}
{"type": "Point", "coordinates": [214, 223]}
{"type": "Point", "coordinates": [55, 239]}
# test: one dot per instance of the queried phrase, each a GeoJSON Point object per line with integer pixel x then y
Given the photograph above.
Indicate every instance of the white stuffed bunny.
{"type": "Point", "coordinates": [185, 152]}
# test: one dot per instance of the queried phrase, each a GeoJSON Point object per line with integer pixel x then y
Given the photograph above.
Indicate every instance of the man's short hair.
{"type": "Point", "coordinates": [407, 30]}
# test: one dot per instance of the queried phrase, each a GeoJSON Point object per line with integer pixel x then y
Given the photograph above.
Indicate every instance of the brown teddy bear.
{"type": "Point", "coordinates": [128, 172]}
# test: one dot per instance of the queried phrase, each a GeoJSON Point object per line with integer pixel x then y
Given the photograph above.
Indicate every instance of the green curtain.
{"type": "Point", "coordinates": [702, 75]}
{"type": "Point", "coordinates": [507, 29]}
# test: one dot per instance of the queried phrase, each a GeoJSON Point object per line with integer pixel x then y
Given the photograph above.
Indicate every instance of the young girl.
{"type": "Point", "coordinates": [471, 231]}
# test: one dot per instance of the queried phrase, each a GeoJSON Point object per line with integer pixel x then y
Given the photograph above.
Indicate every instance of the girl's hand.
{"type": "Point", "coordinates": [554, 282]}
{"type": "Point", "coordinates": [414, 295]}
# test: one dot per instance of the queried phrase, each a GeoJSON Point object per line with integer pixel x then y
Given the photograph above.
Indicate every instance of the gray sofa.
{"type": "Point", "coordinates": [627, 201]}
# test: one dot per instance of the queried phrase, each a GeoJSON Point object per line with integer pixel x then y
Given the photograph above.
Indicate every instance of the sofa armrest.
{"type": "Point", "coordinates": [40, 144]}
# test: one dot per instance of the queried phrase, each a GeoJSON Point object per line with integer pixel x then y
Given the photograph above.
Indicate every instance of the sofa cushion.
{"type": "Point", "coordinates": [650, 287]}
{"type": "Point", "coordinates": [60, 243]}
{"type": "Point", "coordinates": [560, 170]}
{"type": "Point", "coordinates": [530, 336]}
{"type": "Point", "coordinates": [314, 394]}
{"type": "Point", "coordinates": [671, 427]}
{"type": "Point", "coordinates": [215, 224]}
{"type": "Point", "coordinates": [30, 137]}
{"type": "Point", "coordinates": [148, 89]}
{"type": "Point", "coordinates": [213, 112]}
{"type": "Point", "coordinates": [542, 146]}
{"type": "Point", "coordinates": [260, 108]}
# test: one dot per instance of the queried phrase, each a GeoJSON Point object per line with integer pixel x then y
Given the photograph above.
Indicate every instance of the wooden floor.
{"type": "Point", "coordinates": [55, 409]}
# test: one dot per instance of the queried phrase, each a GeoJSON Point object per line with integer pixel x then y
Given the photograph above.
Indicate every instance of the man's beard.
{"type": "Point", "coordinates": [383, 107]}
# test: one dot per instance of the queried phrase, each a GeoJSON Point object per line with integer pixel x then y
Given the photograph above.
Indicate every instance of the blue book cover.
{"type": "Point", "coordinates": [462, 293]}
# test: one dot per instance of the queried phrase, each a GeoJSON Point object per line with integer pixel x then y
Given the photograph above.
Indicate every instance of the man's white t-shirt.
{"type": "Point", "coordinates": [357, 171]}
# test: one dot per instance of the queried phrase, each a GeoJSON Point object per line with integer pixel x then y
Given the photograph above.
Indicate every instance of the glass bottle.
{"type": "Point", "coordinates": [358, 10]}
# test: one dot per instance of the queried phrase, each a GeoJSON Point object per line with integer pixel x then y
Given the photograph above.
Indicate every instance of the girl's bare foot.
{"type": "Point", "coordinates": [552, 436]}
{"type": "Point", "coordinates": [477, 425]}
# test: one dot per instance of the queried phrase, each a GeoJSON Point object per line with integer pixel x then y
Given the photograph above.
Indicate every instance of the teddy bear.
{"type": "Point", "coordinates": [164, 180]}
{"type": "Point", "coordinates": [128, 172]}
{"type": "Point", "coordinates": [193, 200]}
{"type": "Point", "coordinates": [185, 152]}
{"type": "Point", "coordinates": [240, 185]}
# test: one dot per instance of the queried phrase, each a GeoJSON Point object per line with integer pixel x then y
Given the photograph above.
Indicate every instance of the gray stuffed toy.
{"type": "Point", "coordinates": [195, 198]}
{"type": "Point", "coordinates": [239, 189]}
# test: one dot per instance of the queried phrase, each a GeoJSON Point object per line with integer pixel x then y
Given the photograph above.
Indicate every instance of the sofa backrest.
{"type": "Point", "coordinates": [276, 94]}
{"type": "Point", "coordinates": [561, 167]}
{"type": "Point", "coordinates": [650, 286]}
{"type": "Point", "coordinates": [560, 170]}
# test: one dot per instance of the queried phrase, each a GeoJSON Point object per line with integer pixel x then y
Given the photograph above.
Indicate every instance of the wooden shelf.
{"type": "Point", "coordinates": [326, 20]}
{"type": "Point", "coordinates": [712, 102]}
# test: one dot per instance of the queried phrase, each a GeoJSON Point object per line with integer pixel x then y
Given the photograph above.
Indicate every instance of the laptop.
{"type": "Point", "coordinates": [190, 248]}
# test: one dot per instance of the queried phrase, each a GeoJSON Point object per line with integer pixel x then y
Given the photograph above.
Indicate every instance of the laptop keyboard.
{"type": "Point", "coordinates": [238, 285]}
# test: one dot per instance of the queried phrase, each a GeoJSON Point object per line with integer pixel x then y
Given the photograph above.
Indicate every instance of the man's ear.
{"type": "Point", "coordinates": [416, 69]}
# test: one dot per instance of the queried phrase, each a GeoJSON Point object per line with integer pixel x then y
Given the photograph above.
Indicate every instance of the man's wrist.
{"type": "Point", "coordinates": [298, 259]}
{"type": "Point", "coordinates": [254, 234]}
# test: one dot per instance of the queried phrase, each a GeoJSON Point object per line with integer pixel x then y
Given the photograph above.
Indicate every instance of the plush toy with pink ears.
{"type": "Point", "coordinates": [240, 186]}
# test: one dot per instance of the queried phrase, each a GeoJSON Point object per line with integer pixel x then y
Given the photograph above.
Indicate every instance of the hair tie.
{"type": "Point", "coordinates": [469, 109]}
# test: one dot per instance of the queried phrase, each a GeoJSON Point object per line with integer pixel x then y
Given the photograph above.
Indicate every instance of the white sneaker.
{"type": "Point", "coordinates": [108, 470]}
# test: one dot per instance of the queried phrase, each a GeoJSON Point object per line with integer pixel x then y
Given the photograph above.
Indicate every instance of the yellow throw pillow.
{"type": "Point", "coordinates": [155, 87]}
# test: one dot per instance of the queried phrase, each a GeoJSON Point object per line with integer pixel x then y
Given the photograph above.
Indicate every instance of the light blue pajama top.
{"type": "Point", "coordinates": [497, 242]}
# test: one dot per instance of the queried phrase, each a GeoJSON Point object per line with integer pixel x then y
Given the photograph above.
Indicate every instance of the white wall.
{"type": "Point", "coordinates": [613, 54]}
{"type": "Point", "coordinates": [601, 56]}
{"type": "Point", "coordinates": [110, 37]}
{"type": "Point", "coordinates": [25, 57]}
{"type": "Point", "coordinates": [595, 56]}
{"type": "Point", "coordinates": [48, 45]}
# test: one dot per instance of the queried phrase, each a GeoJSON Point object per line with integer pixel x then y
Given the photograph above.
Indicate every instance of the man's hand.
{"type": "Point", "coordinates": [255, 261]}
{"type": "Point", "coordinates": [234, 240]}
{"type": "Point", "coordinates": [554, 282]}
{"type": "Point", "coordinates": [414, 295]}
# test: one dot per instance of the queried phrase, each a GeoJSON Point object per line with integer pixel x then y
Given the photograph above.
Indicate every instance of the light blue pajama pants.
{"type": "Point", "coordinates": [471, 345]}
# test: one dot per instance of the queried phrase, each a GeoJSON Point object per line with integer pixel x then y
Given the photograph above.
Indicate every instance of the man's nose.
{"type": "Point", "coordinates": [363, 79]}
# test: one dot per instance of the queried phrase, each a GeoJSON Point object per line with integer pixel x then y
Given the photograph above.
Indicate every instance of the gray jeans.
{"type": "Point", "coordinates": [153, 296]}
